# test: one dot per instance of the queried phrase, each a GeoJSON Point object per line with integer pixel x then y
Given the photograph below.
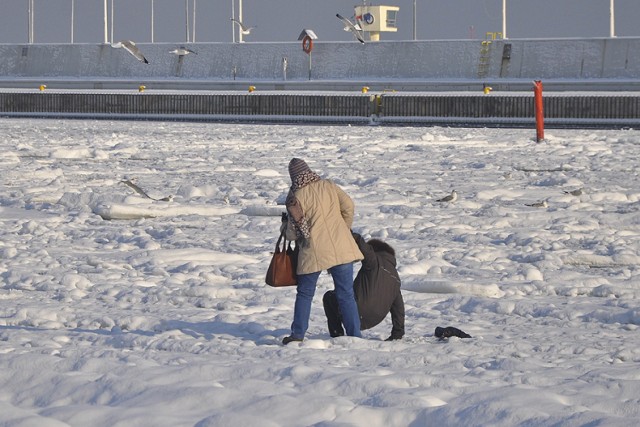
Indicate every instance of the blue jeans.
{"type": "Point", "coordinates": [343, 282]}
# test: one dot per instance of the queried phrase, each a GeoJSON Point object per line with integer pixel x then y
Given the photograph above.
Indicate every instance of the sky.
{"type": "Point", "coordinates": [117, 310]}
{"type": "Point", "coordinates": [283, 20]}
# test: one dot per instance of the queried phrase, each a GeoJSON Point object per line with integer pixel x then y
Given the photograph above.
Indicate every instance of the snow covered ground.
{"type": "Point", "coordinates": [117, 310]}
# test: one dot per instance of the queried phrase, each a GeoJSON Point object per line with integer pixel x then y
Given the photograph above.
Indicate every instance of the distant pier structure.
{"type": "Point", "coordinates": [392, 71]}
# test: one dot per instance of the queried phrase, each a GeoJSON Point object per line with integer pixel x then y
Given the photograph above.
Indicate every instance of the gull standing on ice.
{"type": "Point", "coordinates": [182, 51]}
{"type": "Point", "coordinates": [243, 28]}
{"type": "Point", "coordinates": [577, 192]}
{"type": "Point", "coordinates": [542, 204]}
{"type": "Point", "coordinates": [450, 198]}
{"type": "Point", "coordinates": [130, 47]}
{"type": "Point", "coordinates": [355, 29]}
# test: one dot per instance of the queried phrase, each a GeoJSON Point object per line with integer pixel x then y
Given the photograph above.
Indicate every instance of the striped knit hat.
{"type": "Point", "coordinates": [296, 167]}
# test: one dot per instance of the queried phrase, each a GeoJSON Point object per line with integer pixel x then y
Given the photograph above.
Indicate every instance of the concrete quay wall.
{"type": "Point", "coordinates": [562, 64]}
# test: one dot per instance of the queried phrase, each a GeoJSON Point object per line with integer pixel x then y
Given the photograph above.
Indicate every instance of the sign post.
{"type": "Point", "coordinates": [537, 92]}
{"type": "Point", "coordinates": [307, 47]}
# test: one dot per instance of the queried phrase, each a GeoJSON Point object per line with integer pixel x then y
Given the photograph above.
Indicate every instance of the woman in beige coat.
{"type": "Point", "coordinates": [320, 215]}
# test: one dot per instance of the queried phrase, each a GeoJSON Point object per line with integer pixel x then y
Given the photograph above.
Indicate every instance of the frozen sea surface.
{"type": "Point", "coordinates": [118, 310]}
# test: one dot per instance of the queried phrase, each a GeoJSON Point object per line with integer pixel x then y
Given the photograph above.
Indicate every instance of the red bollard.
{"type": "Point", "coordinates": [537, 92]}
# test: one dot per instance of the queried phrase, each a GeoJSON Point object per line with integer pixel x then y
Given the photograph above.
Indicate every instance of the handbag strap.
{"type": "Point", "coordinates": [284, 246]}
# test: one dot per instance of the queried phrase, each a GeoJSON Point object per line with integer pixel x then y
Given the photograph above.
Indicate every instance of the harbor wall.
{"type": "Point", "coordinates": [471, 62]}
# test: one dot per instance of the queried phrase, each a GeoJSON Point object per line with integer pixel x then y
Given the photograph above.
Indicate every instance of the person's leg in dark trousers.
{"type": "Point", "coordinates": [334, 320]}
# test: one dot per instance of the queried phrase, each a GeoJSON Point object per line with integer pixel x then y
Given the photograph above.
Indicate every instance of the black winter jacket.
{"type": "Point", "coordinates": [377, 289]}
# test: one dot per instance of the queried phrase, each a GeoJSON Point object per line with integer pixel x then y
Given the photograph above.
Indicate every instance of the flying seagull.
{"type": "Point", "coordinates": [355, 29]}
{"type": "Point", "coordinates": [181, 51]}
{"type": "Point", "coordinates": [243, 28]}
{"type": "Point", "coordinates": [130, 47]}
{"type": "Point", "coordinates": [141, 192]}
{"type": "Point", "coordinates": [450, 198]}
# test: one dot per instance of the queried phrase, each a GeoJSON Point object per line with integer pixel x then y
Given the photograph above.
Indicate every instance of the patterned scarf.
{"type": "Point", "coordinates": [296, 215]}
{"type": "Point", "coordinates": [304, 178]}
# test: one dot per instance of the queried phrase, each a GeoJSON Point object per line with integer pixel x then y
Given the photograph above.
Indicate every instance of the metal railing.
{"type": "Point", "coordinates": [382, 108]}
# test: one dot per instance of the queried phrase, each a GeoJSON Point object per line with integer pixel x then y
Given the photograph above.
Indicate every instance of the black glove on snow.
{"type": "Point", "coordinates": [450, 331]}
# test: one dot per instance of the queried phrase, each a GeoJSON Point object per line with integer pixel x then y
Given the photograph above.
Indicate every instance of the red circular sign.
{"type": "Point", "coordinates": [307, 44]}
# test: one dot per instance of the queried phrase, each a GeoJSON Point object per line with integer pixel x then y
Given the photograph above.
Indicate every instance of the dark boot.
{"type": "Point", "coordinates": [334, 320]}
{"type": "Point", "coordinates": [287, 340]}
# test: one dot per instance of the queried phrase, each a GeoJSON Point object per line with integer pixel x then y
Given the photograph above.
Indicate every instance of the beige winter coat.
{"type": "Point", "coordinates": [329, 211]}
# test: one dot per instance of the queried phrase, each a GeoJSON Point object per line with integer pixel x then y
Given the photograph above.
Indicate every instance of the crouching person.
{"type": "Point", "coordinates": [376, 288]}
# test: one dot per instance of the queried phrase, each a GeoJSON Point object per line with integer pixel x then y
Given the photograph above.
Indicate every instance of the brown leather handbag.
{"type": "Point", "coordinates": [282, 269]}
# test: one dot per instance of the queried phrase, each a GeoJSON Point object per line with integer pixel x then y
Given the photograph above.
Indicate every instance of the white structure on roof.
{"type": "Point", "coordinates": [376, 19]}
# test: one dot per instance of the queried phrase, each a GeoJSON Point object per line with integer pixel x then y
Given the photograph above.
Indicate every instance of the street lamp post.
{"type": "Point", "coordinates": [106, 23]}
{"type": "Point", "coordinates": [73, 8]}
{"type": "Point", "coordinates": [233, 16]}
{"type": "Point", "coordinates": [612, 19]}
{"type": "Point", "coordinates": [30, 6]}
{"type": "Point", "coordinates": [240, 19]}
{"type": "Point", "coordinates": [415, 32]}
{"type": "Point", "coordinates": [193, 23]}
{"type": "Point", "coordinates": [186, 19]}
{"type": "Point", "coordinates": [112, 1]}
{"type": "Point", "coordinates": [504, 19]}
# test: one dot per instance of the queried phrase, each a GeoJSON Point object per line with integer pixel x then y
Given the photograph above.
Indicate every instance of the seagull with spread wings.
{"type": "Point", "coordinates": [354, 28]}
{"type": "Point", "coordinates": [182, 51]}
{"type": "Point", "coordinates": [243, 28]}
{"type": "Point", "coordinates": [129, 183]}
{"type": "Point", "coordinates": [130, 47]}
